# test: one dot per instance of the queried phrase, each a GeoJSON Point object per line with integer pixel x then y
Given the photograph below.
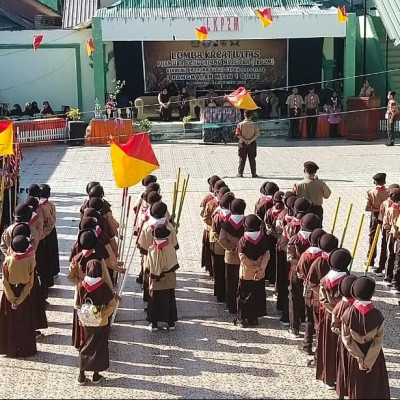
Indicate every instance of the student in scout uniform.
{"type": "Point", "coordinates": [297, 245]}
{"type": "Point", "coordinates": [162, 263]}
{"type": "Point", "coordinates": [93, 353]}
{"type": "Point", "coordinates": [362, 335]}
{"type": "Point", "coordinates": [375, 198]}
{"type": "Point", "coordinates": [231, 231]}
{"type": "Point", "coordinates": [342, 365]}
{"type": "Point", "coordinates": [390, 213]}
{"type": "Point", "coordinates": [300, 208]}
{"type": "Point", "coordinates": [329, 296]}
{"type": "Point", "coordinates": [312, 188]}
{"type": "Point", "coordinates": [294, 104]}
{"type": "Point", "coordinates": [396, 239]}
{"type": "Point", "coordinates": [36, 221]}
{"type": "Point", "coordinates": [266, 201]}
{"type": "Point", "coordinates": [253, 249]}
{"type": "Point", "coordinates": [247, 132]}
{"type": "Point", "coordinates": [391, 111]}
{"type": "Point", "coordinates": [206, 252]}
{"type": "Point", "coordinates": [17, 322]}
{"type": "Point", "coordinates": [221, 214]}
{"type": "Point", "coordinates": [89, 186]}
{"type": "Point", "coordinates": [311, 102]}
{"type": "Point", "coordinates": [303, 268]}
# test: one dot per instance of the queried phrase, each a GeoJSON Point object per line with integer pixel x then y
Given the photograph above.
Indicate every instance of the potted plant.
{"type": "Point", "coordinates": [186, 123]}
{"type": "Point", "coordinates": [111, 104]}
{"type": "Point", "coordinates": [77, 128]}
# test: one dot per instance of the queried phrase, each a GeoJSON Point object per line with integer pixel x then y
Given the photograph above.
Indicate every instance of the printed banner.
{"type": "Point", "coordinates": [223, 64]}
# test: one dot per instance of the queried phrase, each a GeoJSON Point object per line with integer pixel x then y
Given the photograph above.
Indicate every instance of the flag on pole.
{"type": "Point", "coordinates": [241, 98]}
{"type": "Point", "coordinates": [342, 14]}
{"type": "Point", "coordinates": [6, 137]}
{"type": "Point", "coordinates": [133, 160]}
{"type": "Point", "coordinates": [265, 17]}
{"type": "Point", "coordinates": [90, 47]}
{"type": "Point", "coordinates": [202, 33]}
{"type": "Point", "coordinates": [37, 40]}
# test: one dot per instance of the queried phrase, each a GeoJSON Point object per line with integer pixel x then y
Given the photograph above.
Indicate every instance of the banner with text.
{"type": "Point", "coordinates": [223, 64]}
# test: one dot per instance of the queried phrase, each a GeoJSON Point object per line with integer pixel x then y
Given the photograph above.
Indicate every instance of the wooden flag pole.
{"type": "Point", "coordinates": [356, 242]}
{"type": "Point", "coordinates": [346, 225]}
{"type": "Point", "coordinates": [182, 199]}
{"type": "Point", "coordinates": [122, 220]}
{"type": "Point", "coordinates": [336, 214]}
{"type": "Point", "coordinates": [126, 227]}
{"type": "Point", "coordinates": [371, 252]}
{"type": "Point", "coordinates": [175, 194]}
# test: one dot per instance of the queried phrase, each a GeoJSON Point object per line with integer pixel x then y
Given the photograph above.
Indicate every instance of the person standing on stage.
{"type": "Point", "coordinates": [247, 132]}
{"type": "Point", "coordinates": [312, 188]}
{"type": "Point", "coordinates": [311, 102]}
{"type": "Point", "coordinates": [367, 90]}
{"type": "Point", "coordinates": [294, 103]}
{"type": "Point", "coordinates": [390, 114]}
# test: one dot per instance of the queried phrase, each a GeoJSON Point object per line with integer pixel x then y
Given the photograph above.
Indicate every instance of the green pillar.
{"type": "Point", "coordinates": [350, 57]}
{"type": "Point", "coordinates": [98, 62]}
{"type": "Point", "coordinates": [329, 68]}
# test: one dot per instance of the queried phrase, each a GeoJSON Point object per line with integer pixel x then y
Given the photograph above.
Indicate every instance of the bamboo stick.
{"type": "Point", "coordinates": [346, 225]}
{"type": "Point", "coordinates": [182, 199]}
{"type": "Point", "coordinates": [122, 220]}
{"type": "Point", "coordinates": [357, 240]}
{"type": "Point", "coordinates": [336, 214]}
{"type": "Point", "coordinates": [175, 194]}
{"type": "Point", "coordinates": [371, 252]}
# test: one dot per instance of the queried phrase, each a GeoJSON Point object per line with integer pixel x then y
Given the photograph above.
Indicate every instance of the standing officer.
{"type": "Point", "coordinates": [311, 102]}
{"type": "Point", "coordinates": [247, 132]}
{"type": "Point", "coordinates": [312, 188]}
{"type": "Point", "coordinates": [294, 103]}
{"type": "Point", "coordinates": [366, 90]}
{"type": "Point", "coordinates": [391, 112]}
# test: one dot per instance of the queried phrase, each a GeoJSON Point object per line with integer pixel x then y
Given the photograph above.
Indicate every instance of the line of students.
{"type": "Point", "coordinates": [30, 248]}
{"type": "Point", "coordinates": [284, 243]}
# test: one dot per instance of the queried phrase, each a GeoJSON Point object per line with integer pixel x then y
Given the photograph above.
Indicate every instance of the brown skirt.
{"type": "Point", "coordinates": [44, 268]}
{"type": "Point", "coordinates": [17, 329]}
{"type": "Point", "coordinates": [38, 304]}
{"type": "Point", "coordinates": [94, 354]}
{"type": "Point", "coordinates": [270, 272]}
{"type": "Point", "coordinates": [342, 370]}
{"type": "Point", "coordinates": [374, 385]}
{"type": "Point", "coordinates": [231, 282]}
{"type": "Point", "coordinates": [52, 252]}
{"type": "Point", "coordinates": [206, 253]}
{"type": "Point", "coordinates": [77, 331]}
{"type": "Point", "coordinates": [218, 264]}
{"type": "Point", "coordinates": [282, 282]}
{"type": "Point", "coordinates": [162, 306]}
{"type": "Point", "coordinates": [326, 349]}
{"type": "Point", "coordinates": [251, 299]}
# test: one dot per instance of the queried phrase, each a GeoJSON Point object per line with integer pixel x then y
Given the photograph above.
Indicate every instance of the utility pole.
{"type": "Point", "coordinates": [365, 40]}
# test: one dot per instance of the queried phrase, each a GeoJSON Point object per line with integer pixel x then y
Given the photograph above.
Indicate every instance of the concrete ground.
{"type": "Point", "coordinates": [207, 356]}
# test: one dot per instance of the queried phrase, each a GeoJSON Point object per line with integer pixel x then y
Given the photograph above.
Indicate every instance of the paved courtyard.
{"type": "Point", "coordinates": [206, 357]}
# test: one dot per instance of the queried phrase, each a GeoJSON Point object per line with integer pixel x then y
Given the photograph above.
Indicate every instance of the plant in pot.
{"type": "Point", "coordinates": [77, 128]}
{"type": "Point", "coordinates": [186, 123]}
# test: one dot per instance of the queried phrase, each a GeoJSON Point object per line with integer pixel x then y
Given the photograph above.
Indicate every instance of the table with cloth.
{"type": "Point", "coordinates": [323, 126]}
{"type": "Point", "coordinates": [101, 130]}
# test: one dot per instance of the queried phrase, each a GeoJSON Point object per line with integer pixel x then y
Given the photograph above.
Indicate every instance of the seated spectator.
{"type": "Point", "coordinates": [35, 108]}
{"type": "Point", "coordinates": [184, 103]}
{"type": "Point", "coordinates": [46, 109]}
{"type": "Point", "coordinates": [28, 109]}
{"type": "Point", "coordinates": [165, 105]}
{"type": "Point", "coordinates": [16, 111]}
{"type": "Point", "coordinates": [212, 99]}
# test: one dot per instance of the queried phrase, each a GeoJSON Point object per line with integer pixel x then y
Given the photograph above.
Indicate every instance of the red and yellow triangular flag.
{"type": "Point", "coordinates": [342, 14]}
{"type": "Point", "coordinates": [37, 40]}
{"type": "Point", "coordinates": [241, 98]}
{"type": "Point", "coordinates": [265, 17]}
{"type": "Point", "coordinates": [133, 160]}
{"type": "Point", "coordinates": [90, 47]}
{"type": "Point", "coordinates": [6, 137]}
{"type": "Point", "coordinates": [202, 33]}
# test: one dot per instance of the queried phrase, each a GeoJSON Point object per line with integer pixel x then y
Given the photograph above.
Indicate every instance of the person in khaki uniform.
{"type": "Point", "coordinates": [162, 262]}
{"type": "Point", "coordinates": [362, 335]}
{"type": "Point", "coordinates": [311, 102]}
{"type": "Point", "coordinates": [312, 188]}
{"type": "Point", "coordinates": [367, 90]}
{"type": "Point", "coordinates": [247, 132]}
{"type": "Point", "coordinates": [375, 198]}
{"type": "Point", "coordinates": [294, 103]}
{"type": "Point", "coordinates": [390, 115]}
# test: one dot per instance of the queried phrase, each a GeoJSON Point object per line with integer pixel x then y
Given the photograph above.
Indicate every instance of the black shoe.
{"type": "Point", "coordinates": [239, 175]}
{"type": "Point", "coordinates": [82, 380]}
{"type": "Point", "coordinates": [139, 280]}
{"type": "Point", "coordinates": [253, 322]}
{"type": "Point", "coordinates": [241, 323]}
{"type": "Point", "coordinates": [389, 144]}
{"type": "Point", "coordinates": [311, 363]}
{"type": "Point", "coordinates": [97, 378]}
{"type": "Point", "coordinates": [306, 350]}
{"type": "Point", "coordinates": [294, 332]}
{"type": "Point", "coordinates": [254, 175]}
{"type": "Point", "coordinates": [38, 334]}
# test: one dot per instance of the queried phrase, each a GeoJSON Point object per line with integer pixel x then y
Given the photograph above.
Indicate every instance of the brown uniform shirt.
{"type": "Point", "coordinates": [311, 101]}
{"type": "Point", "coordinates": [294, 101]}
{"type": "Point", "coordinates": [367, 92]}
{"type": "Point", "coordinates": [375, 198]}
{"type": "Point", "coordinates": [248, 130]}
{"type": "Point", "coordinates": [312, 189]}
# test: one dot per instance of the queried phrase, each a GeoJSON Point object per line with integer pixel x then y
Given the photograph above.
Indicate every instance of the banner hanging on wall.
{"type": "Point", "coordinates": [223, 64]}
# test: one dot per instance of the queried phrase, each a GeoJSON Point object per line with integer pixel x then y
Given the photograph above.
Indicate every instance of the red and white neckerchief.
{"type": "Point", "coordinates": [27, 253]}
{"type": "Point", "coordinates": [349, 300]}
{"type": "Point", "coordinates": [34, 219]}
{"type": "Point", "coordinates": [313, 252]}
{"type": "Point", "coordinates": [98, 230]}
{"type": "Point", "coordinates": [43, 202]}
{"type": "Point", "coordinates": [266, 198]}
{"type": "Point", "coordinates": [363, 306]}
{"type": "Point", "coordinates": [87, 253]}
{"type": "Point", "coordinates": [236, 220]}
{"type": "Point", "coordinates": [334, 103]}
{"type": "Point", "coordinates": [312, 100]}
{"type": "Point", "coordinates": [325, 255]}
{"type": "Point", "coordinates": [91, 284]}
{"type": "Point", "coordinates": [380, 188]}
{"type": "Point", "coordinates": [333, 278]}
{"type": "Point", "coordinates": [304, 236]}
{"type": "Point", "coordinates": [295, 105]}
{"type": "Point", "coordinates": [294, 222]}
{"type": "Point", "coordinates": [224, 214]}
{"type": "Point", "coordinates": [275, 212]}
{"type": "Point", "coordinates": [253, 237]}
{"type": "Point", "coordinates": [288, 218]}
{"type": "Point", "coordinates": [395, 206]}
{"type": "Point", "coordinates": [154, 222]}
{"type": "Point", "coordinates": [159, 244]}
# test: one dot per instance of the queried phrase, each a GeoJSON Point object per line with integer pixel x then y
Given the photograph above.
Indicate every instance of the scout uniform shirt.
{"type": "Point", "coordinates": [375, 198]}
{"type": "Point", "coordinates": [248, 130]}
{"type": "Point", "coordinates": [391, 110]}
{"type": "Point", "coordinates": [6, 238]}
{"type": "Point", "coordinates": [295, 102]}
{"type": "Point", "coordinates": [312, 189]}
{"type": "Point", "coordinates": [367, 92]}
{"type": "Point", "coordinates": [311, 101]}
